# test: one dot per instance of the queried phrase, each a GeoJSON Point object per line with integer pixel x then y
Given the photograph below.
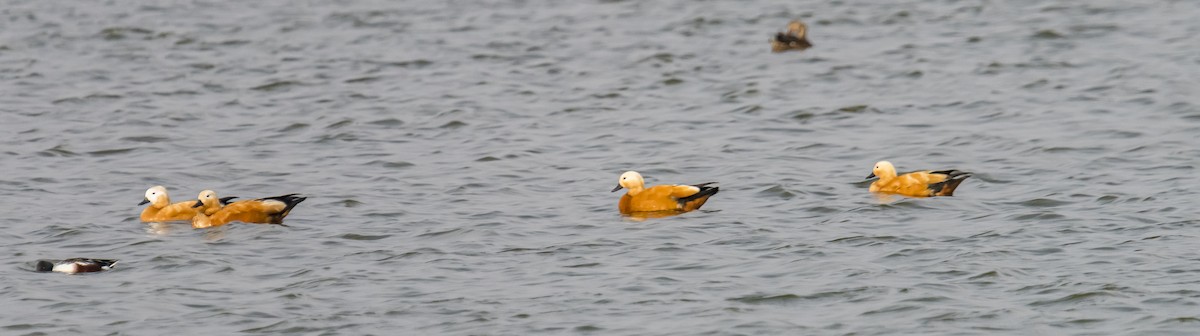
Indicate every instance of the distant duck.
{"type": "Point", "coordinates": [923, 183]}
{"type": "Point", "coordinates": [161, 209]}
{"type": "Point", "coordinates": [682, 198]}
{"type": "Point", "coordinates": [75, 265]}
{"type": "Point", "coordinates": [269, 210]}
{"type": "Point", "coordinates": [795, 38]}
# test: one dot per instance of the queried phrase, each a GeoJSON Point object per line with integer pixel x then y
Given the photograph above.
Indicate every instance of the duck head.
{"type": "Point", "coordinates": [797, 29]}
{"type": "Point", "coordinates": [156, 195]}
{"type": "Point", "coordinates": [207, 198]}
{"type": "Point", "coordinates": [883, 170]}
{"type": "Point", "coordinates": [630, 180]}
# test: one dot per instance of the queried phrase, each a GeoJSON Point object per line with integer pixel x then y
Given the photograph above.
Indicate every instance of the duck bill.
{"type": "Point", "coordinates": [617, 188]}
{"type": "Point", "coordinates": [871, 176]}
{"type": "Point", "coordinates": [144, 201]}
{"type": "Point", "coordinates": [198, 204]}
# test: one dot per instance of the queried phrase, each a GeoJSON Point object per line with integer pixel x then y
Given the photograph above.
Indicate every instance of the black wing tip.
{"type": "Point", "coordinates": [106, 262]}
{"type": "Point", "coordinates": [290, 200]}
{"type": "Point", "coordinates": [952, 173]}
{"type": "Point", "coordinates": [947, 187]}
{"type": "Point", "coordinates": [705, 191]}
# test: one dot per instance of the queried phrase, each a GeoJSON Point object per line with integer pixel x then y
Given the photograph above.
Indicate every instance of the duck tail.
{"type": "Point", "coordinates": [946, 188]}
{"type": "Point", "coordinates": [83, 265]}
{"type": "Point", "coordinates": [952, 173]}
{"type": "Point", "coordinates": [695, 201]}
{"type": "Point", "coordinates": [290, 200]}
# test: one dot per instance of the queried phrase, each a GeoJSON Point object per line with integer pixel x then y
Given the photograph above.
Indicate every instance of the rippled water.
{"type": "Point", "coordinates": [458, 155]}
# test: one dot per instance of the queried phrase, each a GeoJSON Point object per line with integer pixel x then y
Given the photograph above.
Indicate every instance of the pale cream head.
{"type": "Point", "coordinates": [797, 28]}
{"type": "Point", "coordinates": [157, 195]}
{"type": "Point", "coordinates": [208, 196]}
{"type": "Point", "coordinates": [883, 169]}
{"type": "Point", "coordinates": [630, 180]}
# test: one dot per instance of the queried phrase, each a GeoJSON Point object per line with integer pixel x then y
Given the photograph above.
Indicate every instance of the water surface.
{"type": "Point", "coordinates": [458, 156]}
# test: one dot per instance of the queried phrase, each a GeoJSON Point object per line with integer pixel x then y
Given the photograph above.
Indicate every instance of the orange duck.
{"type": "Point", "coordinates": [269, 210]}
{"type": "Point", "coordinates": [680, 198]}
{"type": "Point", "coordinates": [795, 38]}
{"type": "Point", "coordinates": [924, 183]}
{"type": "Point", "coordinates": [161, 209]}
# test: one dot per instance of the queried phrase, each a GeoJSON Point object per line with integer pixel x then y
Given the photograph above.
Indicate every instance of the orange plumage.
{"type": "Point", "coordinates": [161, 209]}
{"type": "Point", "coordinates": [681, 198]}
{"type": "Point", "coordinates": [269, 210]}
{"type": "Point", "coordinates": [796, 38]}
{"type": "Point", "coordinates": [208, 202]}
{"type": "Point", "coordinates": [924, 183]}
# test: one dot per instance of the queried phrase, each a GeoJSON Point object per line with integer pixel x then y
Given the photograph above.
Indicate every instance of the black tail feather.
{"type": "Point", "coordinates": [953, 173]}
{"type": "Point", "coordinates": [705, 191]}
{"type": "Point", "coordinates": [946, 188]}
{"type": "Point", "coordinates": [291, 200]}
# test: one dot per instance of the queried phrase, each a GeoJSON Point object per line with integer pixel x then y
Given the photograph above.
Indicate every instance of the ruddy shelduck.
{"type": "Point", "coordinates": [269, 210]}
{"type": "Point", "coordinates": [209, 203]}
{"type": "Point", "coordinates": [795, 38]}
{"type": "Point", "coordinates": [161, 209]}
{"type": "Point", "coordinates": [682, 198]}
{"type": "Point", "coordinates": [924, 183]}
{"type": "Point", "coordinates": [75, 265]}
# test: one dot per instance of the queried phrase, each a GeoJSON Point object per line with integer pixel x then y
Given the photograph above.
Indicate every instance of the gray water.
{"type": "Point", "coordinates": [458, 158]}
